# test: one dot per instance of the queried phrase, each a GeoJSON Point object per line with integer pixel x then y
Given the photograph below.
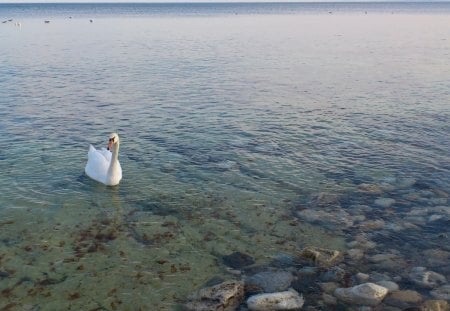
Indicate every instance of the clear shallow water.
{"type": "Point", "coordinates": [232, 126]}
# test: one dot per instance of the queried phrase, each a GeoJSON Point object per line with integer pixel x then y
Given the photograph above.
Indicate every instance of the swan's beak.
{"type": "Point", "coordinates": [110, 143]}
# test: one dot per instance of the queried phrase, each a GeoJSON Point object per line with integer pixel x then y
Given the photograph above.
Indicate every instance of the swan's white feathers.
{"type": "Point", "coordinates": [102, 167]}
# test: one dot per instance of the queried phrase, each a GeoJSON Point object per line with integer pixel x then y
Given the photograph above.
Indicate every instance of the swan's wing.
{"type": "Point", "coordinates": [106, 153]}
{"type": "Point", "coordinates": [97, 164]}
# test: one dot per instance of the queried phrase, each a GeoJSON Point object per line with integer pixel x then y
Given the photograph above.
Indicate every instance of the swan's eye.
{"type": "Point", "coordinates": [112, 139]}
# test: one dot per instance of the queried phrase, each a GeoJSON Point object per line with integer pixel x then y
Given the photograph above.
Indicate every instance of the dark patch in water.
{"type": "Point", "coordinates": [238, 260]}
{"type": "Point", "coordinates": [422, 185]}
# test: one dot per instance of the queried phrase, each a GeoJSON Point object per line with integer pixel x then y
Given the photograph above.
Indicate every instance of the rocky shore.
{"type": "Point", "coordinates": [322, 279]}
{"type": "Point", "coordinates": [397, 257]}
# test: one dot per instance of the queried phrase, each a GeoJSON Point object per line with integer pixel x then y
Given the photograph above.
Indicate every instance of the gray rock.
{"type": "Point", "coordinates": [361, 277]}
{"type": "Point", "coordinates": [368, 294]}
{"type": "Point", "coordinates": [335, 274]}
{"type": "Point", "coordinates": [226, 296]}
{"type": "Point", "coordinates": [308, 271]}
{"type": "Point", "coordinates": [391, 286]}
{"type": "Point", "coordinates": [329, 287]}
{"type": "Point", "coordinates": [428, 279]}
{"type": "Point", "coordinates": [287, 300]}
{"type": "Point", "coordinates": [442, 292]}
{"type": "Point", "coordinates": [270, 281]}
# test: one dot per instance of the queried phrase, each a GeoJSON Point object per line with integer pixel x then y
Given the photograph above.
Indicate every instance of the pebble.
{"type": "Point", "coordinates": [437, 257]}
{"type": "Point", "coordinates": [335, 274]}
{"type": "Point", "coordinates": [355, 254]}
{"type": "Point", "coordinates": [435, 217]}
{"type": "Point", "coordinates": [336, 218]}
{"type": "Point", "coordinates": [329, 300]}
{"type": "Point", "coordinates": [428, 279]}
{"type": "Point", "coordinates": [370, 188]}
{"type": "Point", "coordinates": [384, 202]}
{"type": "Point", "coordinates": [238, 260]}
{"type": "Point", "coordinates": [372, 225]}
{"type": "Point", "coordinates": [308, 270]}
{"type": "Point", "coordinates": [442, 292]}
{"type": "Point", "coordinates": [368, 294]}
{"type": "Point", "coordinates": [287, 300]}
{"type": "Point", "coordinates": [363, 242]}
{"type": "Point", "coordinates": [321, 256]}
{"type": "Point", "coordinates": [269, 282]}
{"type": "Point", "coordinates": [435, 305]}
{"type": "Point", "coordinates": [388, 261]}
{"type": "Point", "coordinates": [408, 296]}
{"type": "Point", "coordinates": [391, 286]}
{"type": "Point", "coordinates": [406, 183]}
{"type": "Point", "coordinates": [224, 296]}
{"type": "Point", "coordinates": [329, 287]}
{"type": "Point", "coordinates": [362, 277]}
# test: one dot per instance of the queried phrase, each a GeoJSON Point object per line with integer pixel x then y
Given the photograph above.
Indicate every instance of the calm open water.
{"type": "Point", "coordinates": [258, 128]}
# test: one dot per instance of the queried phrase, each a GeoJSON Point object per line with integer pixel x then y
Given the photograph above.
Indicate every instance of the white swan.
{"type": "Point", "coordinates": [102, 165]}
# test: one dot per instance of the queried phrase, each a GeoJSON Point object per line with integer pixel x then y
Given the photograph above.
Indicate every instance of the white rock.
{"type": "Point", "coordinates": [427, 279]}
{"type": "Point", "coordinates": [288, 300]}
{"type": "Point", "coordinates": [391, 286]}
{"type": "Point", "coordinates": [368, 294]}
{"type": "Point", "coordinates": [442, 292]}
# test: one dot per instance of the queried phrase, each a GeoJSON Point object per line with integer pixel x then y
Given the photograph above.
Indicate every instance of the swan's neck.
{"type": "Point", "coordinates": [114, 165]}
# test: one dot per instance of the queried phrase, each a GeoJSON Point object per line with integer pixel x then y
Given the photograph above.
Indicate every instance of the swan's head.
{"type": "Point", "coordinates": [113, 140]}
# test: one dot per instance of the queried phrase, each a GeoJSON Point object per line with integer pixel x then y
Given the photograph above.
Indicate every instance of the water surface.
{"type": "Point", "coordinates": [244, 127]}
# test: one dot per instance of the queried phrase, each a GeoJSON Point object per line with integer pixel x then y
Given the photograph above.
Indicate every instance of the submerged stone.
{"type": "Point", "coordinates": [384, 202]}
{"type": "Point", "coordinates": [270, 281]}
{"type": "Point", "coordinates": [338, 218]}
{"type": "Point", "coordinates": [406, 296]}
{"type": "Point", "coordinates": [287, 300]}
{"type": "Point", "coordinates": [368, 294]}
{"type": "Point", "coordinates": [391, 286]}
{"type": "Point", "coordinates": [424, 278]}
{"type": "Point", "coordinates": [321, 256]}
{"type": "Point", "coordinates": [442, 292]}
{"type": "Point", "coordinates": [238, 260]}
{"type": "Point", "coordinates": [335, 274]}
{"type": "Point", "coordinates": [370, 188]}
{"type": "Point", "coordinates": [226, 296]}
{"type": "Point", "coordinates": [435, 305]}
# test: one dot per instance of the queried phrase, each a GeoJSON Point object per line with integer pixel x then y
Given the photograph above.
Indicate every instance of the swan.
{"type": "Point", "coordinates": [102, 165]}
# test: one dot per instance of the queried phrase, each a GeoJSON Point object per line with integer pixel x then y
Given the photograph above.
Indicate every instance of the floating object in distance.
{"type": "Point", "coordinates": [91, 20]}
{"type": "Point", "coordinates": [46, 22]}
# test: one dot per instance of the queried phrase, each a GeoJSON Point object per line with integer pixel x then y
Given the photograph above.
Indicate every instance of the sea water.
{"type": "Point", "coordinates": [251, 128]}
